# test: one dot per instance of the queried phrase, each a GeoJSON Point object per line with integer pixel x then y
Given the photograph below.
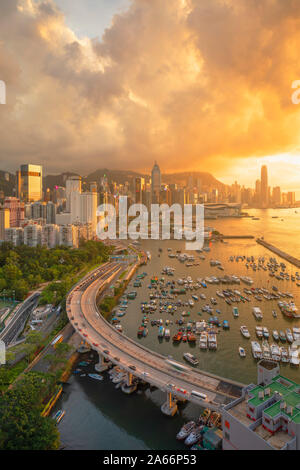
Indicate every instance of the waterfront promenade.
{"type": "Point", "coordinates": [136, 360]}
{"type": "Point", "coordinates": [277, 251]}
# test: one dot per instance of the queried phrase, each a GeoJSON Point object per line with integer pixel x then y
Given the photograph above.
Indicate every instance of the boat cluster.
{"type": "Point", "coordinates": [193, 432]}
{"type": "Point", "coordinates": [276, 269]}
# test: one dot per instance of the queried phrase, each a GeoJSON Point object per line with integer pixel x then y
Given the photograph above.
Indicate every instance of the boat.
{"type": "Point", "coordinates": [257, 313]}
{"type": "Point", "coordinates": [275, 335]}
{"type": "Point", "coordinates": [282, 336]}
{"type": "Point", "coordinates": [225, 325]}
{"type": "Point", "coordinates": [245, 332]}
{"type": "Point", "coordinates": [274, 313]}
{"type": "Point", "coordinates": [275, 352]}
{"type": "Point", "coordinates": [161, 332]}
{"type": "Point", "coordinates": [95, 376]}
{"type": "Point", "coordinates": [191, 359]}
{"type": "Point", "coordinates": [194, 436]}
{"type": "Point", "coordinates": [259, 331]}
{"type": "Point", "coordinates": [256, 350]}
{"type": "Point", "coordinates": [284, 354]}
{"type": "Point", "coordinates": [294, 356]}
{"type": "Point", "coordinates": [235, 312]}
{"type": "Point", "coordinates": [242, 352]}
{"type": "Point", "coordinates": [289, 335]}
{"type": "Point", "coordinates": [266, 333]}
{"type": "Point", "coordinates": [186, 430]}
{"type": "Point", "coordinates": [203, 342]}
{"type": "Point", "coordinates": [212, 341]}
{"type": "Point", "coordinates": [167, 333]}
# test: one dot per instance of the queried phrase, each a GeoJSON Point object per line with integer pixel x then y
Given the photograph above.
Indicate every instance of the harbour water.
{"type": "Point", "coordinates": [100, 417]}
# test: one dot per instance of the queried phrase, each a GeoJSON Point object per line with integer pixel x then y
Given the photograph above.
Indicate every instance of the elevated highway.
{"type": "Point", "coordinates": [136, 360]}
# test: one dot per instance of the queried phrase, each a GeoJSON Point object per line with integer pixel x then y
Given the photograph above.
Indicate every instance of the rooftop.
{"type": "Point", "coordinates": [290, 394]}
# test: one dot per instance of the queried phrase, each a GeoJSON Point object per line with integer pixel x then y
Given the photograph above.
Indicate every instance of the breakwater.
{"type": "Point", "coordinates": [277, 251]}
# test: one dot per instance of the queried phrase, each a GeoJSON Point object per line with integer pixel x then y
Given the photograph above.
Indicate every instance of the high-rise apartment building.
{"type": "Point", "coordinates": [4, 222]}
{"type": "Point", "coordinates": [30, 183]}
{"type": "Point", "coordinates": [16, 210]}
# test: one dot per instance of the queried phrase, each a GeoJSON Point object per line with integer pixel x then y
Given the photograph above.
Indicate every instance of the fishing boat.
{"type": "Point", "coordinates": [282, 336]}
{"type": "Point", "coordinates": [275, 352]}
{"type": "Point", "coordinates": [245, 332]}
{"type": "Point", "coordinates": [140, 331]}
{"type": "Point", "coordinates": [284, 354]}
{"type": "Point", "coordinates": [289, 335]}
{"type": "Point", "coordinates": [294, 356]}
{"type": "Point", "coordinates": [96, 376]}
{"type": "Point", "coordinates": [266, 333]}
{"type": "Point", "coordinates": [161, 332]}
{"type": "Point", "coordinates": [266, 350]}
{"type": "Point", "coordinates": [235, 312]}
{"type": "Point", "coordinates": [212, 341]}
{"type": "Point", "coordinates": [242, 352]}
{"type": "Point", "coordinates": [259, 331]}
{"type": "Point", "coordinates": [191, 338]}
{"type": "Point", "coordinates": [194, 436]}
{"type": "Point", "coordinates": [203, 342]}
{"type": "Point", "coordinates": [257, 313]}
{"type": "Point", "coordinates": [186, 430]}
{"type": "Point", "coordinates": [275, 335]}
{"type": "Point", "coordinates": [191, 359]}
{"type": "Point", "coordinates": [256, 350]}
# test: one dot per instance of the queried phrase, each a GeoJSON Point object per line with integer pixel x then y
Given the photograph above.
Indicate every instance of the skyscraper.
{"type": "Point", "coordinates": [73, 185]}
{"type": "Point", "coordinates": [264, 189]}
{"type": "Point", "coordinates": [30, 183]}
{"type": "Point", "coordinates": [155, 183]}
{"type": "Point", "coordinates": [139, 187]}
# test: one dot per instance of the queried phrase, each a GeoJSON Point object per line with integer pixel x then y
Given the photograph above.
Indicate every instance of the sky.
{"type": "Point", "coordinates": [202, 85]}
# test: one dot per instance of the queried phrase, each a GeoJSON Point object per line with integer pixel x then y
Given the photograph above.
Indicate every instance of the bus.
{"type": "Point", "coordinates": [198, 395]}
{"type": "Point", "coordinates": [176, 365]}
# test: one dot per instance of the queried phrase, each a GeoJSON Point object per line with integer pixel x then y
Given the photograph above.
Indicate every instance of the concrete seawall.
{"type": "Point", "coordinates": [277, 251]}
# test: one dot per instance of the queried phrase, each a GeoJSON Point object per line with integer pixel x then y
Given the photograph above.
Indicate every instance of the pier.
{"type": "Point", "coordinates": [277, 251]}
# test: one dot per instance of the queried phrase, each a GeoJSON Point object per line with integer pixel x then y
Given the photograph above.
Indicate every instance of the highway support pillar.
{"type": "Point", "coordinates": [129, 386]}
{"type": "Point", "coordinates": [102, 365]}
{"type": "Point", "coordinates": [170, 407]}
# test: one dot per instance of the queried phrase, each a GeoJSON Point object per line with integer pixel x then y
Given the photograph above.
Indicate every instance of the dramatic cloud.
{"type": "Point", "coordinates": [192, 83]}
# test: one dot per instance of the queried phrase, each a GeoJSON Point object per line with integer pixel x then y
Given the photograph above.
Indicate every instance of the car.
{"type": "Point", "coordinates": [181, 390]}
{"type": "Point", "coordinates": [85, 335]}
{"type": "Point", "coordinates": [95, 344]}
{"type": "Point", "coordinates": [105, 351]}
{"type": "Point", "coordinates": [75, 323]}
{"type": "Point", "coordinates": [132, 367]}
{"type": "Point", "coordinates": [170, 385]}
{"type": "Point", "coordinates": [145, 374]}
{"type": "Point", "coordinates": [117, 359]}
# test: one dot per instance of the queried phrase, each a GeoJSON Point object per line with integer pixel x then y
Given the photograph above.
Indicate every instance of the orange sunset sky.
{"type": "Point", "coordinates": [194, 84]}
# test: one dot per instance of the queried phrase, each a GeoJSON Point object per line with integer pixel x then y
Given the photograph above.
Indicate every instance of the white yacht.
{"type": "Point", "coordinates": [245, 332]}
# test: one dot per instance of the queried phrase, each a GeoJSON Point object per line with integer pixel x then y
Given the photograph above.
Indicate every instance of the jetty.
{"type": "Point", "coordinates": [277, 251]}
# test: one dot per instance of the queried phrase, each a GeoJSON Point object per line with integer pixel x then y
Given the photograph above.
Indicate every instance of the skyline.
{"type": "Point", "coordinates": [169, 96]}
